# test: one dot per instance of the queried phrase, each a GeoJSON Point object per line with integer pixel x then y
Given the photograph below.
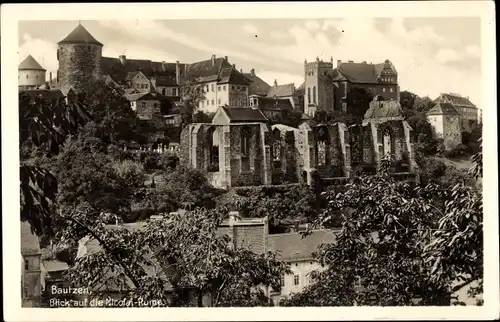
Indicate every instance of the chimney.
{"type": "Point", "coordinates": [225, 57]}
{"type": "Point", "coordinates": [213, 60]}
{"type": "Point", "coordinates": [50, 78]}
{"type": "Point", "coordinates": [275, 83]}
{"type": "Point", "coordinates": [123, 59]}
{"type": "Point", "coordinates": [241, 71]}
{"type": "Point", "coordinates": [163, 65]}
{"type": "Point", "coordinates": [331, 60]}
{"type": "Point", "coordinates": [339, 62]}
{"type": "Point", "coordinates": [234, 66]}
{"type": "Point", "coordinates": [350, 61]}
{"type": "Point", "coordinates": [364, 62]}
{"type": "Point", "coordinates": [177, 73]}
{"type": "Point", "coordinates": [252, 71]}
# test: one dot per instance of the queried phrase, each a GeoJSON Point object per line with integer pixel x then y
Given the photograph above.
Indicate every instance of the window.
{"type": "Point", "coordinates": [202, 103]}
{"type": "Point", "coordinates": [282, 281]}
{"type": "Point", "coordinates": [26, 264]}
{"type": "Point", "coordinates": [206, 89]}
{"type": "Point", "coordinates": [213, 88]}
{"type": "Point", "coordinates": [237, 88]}
{"type": "Point", "coordinates": [387, 142]}
{"type": "Point", "coordinates": [322, 139]}
{"type": "Point", "coordinates": [163, 91]}
{"type": "Point", "coordinates": [232, 87]}
{"type": "Point", "coordinates": [243, 88]}
{"type": "Point", "coordinates": [296, 280]}
{"type": "Point", "coordinates": [218, 88]}
{"type": "Point", "coordinates": [208, 102]}
{"type": "Point", "coordinates": [277, 147]}
{"type": "Point", "coordinates": [26, 76]}
{"type": "Point", "coordinates": [314, 94]}
{"type": "Point", "coordinates": [213, 146]}
{"type": "Point", "coordinates": [383, 89]}
{"type": "Point", "coordinates": [212, 102]}
{"type": "Point", "coordinates": [219, 101]}
{"type": "Point", "coordinates": [224, 88]}
{"type": "Point", "coordinates": [309, 95]}
{"type": "Point", "coordinates": [391, 89]}
{"type": "Point", "coordinates": [36, 76]}
{"type": "Point", "coordinates": [174, 91]}
{"type": "Point", "coordinates": [245, 148]}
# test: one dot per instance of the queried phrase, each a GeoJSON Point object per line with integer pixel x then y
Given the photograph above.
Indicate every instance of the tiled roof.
{"type": "Point", "coordinates": [79, 35]}
{"type": "Point", "coordinates": [167, 80]}
{"type": "Point", "coordinates": [140, 96]}
{"type": "Point", "coordinates": [231, 75]}
{"type": "Point", "coordinates": [380, 109]}
{"type": "Point", "coordinates": [30, 244]}
{"type": "Point", "coordinates": [54, 266]}
{"type": "Point", "coordinates": [244, 114]}
{"type": "Point", "coordinates": [29, 63]}
{"type": "Point", "coordinates": [454, 99]}
{"type": "Point", "coordinates": [281, 90]}
{"type": "Point", "coordinates": [284, 128]}
{"type": "Point", "coordinates": [45, 94]}
{"type": "Point", "coordinates": [292, 247]}
{"type": "Point", "coordinates": [257, 85]}
{"type": "Point", "coordinates": [119, 71]}
{"type": "Point", "coordinates": [129, 91]}
{"type": "Point", "coordinates": [267, 103]}
{"type": "Point", "coordinates": [360, 72]}
{"type": "Point", "coordinates": [205, 70]}
{"type": "Point", "coordinates": [131, 75]}
{"type": "Point", "coordinates": [443, 109]}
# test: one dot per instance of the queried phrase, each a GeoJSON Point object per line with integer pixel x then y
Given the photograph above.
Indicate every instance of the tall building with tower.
{"type": "Point", "coordinates": [30, 74]}
{"type": "Point", "coordinates": [319, 91]}
{"type": "Point", "coordinates": [79, 56]}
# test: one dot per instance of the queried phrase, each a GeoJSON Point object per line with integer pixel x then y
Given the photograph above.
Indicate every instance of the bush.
{"type": "Point", "coordinates": [458, 151]}
{"type": "Point", "coordinates": [131, 171]}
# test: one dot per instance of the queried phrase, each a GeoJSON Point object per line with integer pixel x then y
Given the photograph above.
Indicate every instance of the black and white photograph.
{"type": "Point", "coordinates": [208, 160]}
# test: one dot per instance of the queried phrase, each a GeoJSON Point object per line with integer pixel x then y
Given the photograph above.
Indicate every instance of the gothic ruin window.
{"type": "Point", "coordinates": [276, 145]}
{"type": "Point", "coordinates": [245, 148]}
{"type": "Point", "coordinates": [213, 150]}
{"type": "Point", "coordinates": [387, 141]}
{"type": "Point", "coordinates": [321, 145]}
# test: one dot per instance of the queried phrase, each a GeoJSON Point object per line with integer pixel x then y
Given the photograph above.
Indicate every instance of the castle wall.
{"type": "Point", "coordinates": [79, 65]}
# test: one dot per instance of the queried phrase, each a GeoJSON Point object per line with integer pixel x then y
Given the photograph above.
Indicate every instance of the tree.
{"type": "Point", "coordinates": [396, 244]}
{"type": "Point", "coordinates": [358, 102]}
{"type": "Point", "coordinates": [423, 104]}
{"type": "Point", "coordinates": [191, 96]}
{"type": "Point", "coordinates": [203, 117]}
{"type": "Point", "coordinates": [407, 100]}
{"type": "Point", "coordinates": [189, 253]}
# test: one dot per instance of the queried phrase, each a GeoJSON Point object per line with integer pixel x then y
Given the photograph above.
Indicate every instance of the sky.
{"type": "Point", "coordinates": [431, 55]}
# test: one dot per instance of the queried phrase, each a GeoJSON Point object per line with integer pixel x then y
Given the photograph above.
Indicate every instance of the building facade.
{"type": "Point", "coordinates": [469, 115]}
{"type": "Point", "coordinates": [145, 104]}
{"type": "Point", "coordinates": [30, 74]}
{"type": "Point", "coordinates": [446, 124]}
{"type": "Point", "coordinates": [31, 274]}
{"type": "Point", "coordinates": [325, 87]}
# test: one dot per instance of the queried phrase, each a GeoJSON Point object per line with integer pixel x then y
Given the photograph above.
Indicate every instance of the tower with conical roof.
{"type": "Point", "coordinates": [79, 56]}
{"type": "Point", "coordinates": [30, 74]}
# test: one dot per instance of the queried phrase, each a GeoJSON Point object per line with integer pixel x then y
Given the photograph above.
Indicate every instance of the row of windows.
{"type": "Point", "coordinates": [27, 76]}
{"type": "Point", "coordinates": [296, 280]}
{"type": "Point", "coordinates": [206, 88]}
{"type": "Point", "coordinates": [236, 102]}
{"type": "Point", "coordinates": [388, 79]}
{"type": "Point", "coordinates": [174, 91]}
{"type": "Point", "coordinates": [313, 94]}
{"type": "Point", "coordinates": [145, 86]}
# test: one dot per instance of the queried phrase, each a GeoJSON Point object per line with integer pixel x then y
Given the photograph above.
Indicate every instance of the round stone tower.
{"type": "Point", "coordinates": [30, 74]}
{"type": "Point", "coordinates": [79, 56]}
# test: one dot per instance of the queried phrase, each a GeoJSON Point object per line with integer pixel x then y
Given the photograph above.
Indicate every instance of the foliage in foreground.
{"type": "Point", "coordinates": [191, 259]}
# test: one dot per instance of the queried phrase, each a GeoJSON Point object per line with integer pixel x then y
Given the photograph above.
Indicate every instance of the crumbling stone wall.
{"type": "Point", "coordinates": [79, 64]}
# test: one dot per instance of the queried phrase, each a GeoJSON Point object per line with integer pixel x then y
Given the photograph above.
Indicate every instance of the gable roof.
{"type": "Point", "coordinates": [267, 103]}
{"type": "Point", "coordinates": [443, 109]}
{"type": "Point", "coordinates": [292, 247]}
{"type": "Point", "coordinates": [243, 114]}
{"type": "Point", "coordinates": [454, 99]}
{"type": "Point", "coordinates": [80, 35]}
{"type": "Point", "coordinates": [119, 71]}
{"type": "Point", "coordinates": [30, 244]}
{"type": "Point", "coordinates": [166, 80]}
{"type": "Point", "coordinates": [380, 108]}
{"type": "Point", "coordinates": [231, 75]}
{"type": "Point", "coordinates": [205, 70]}
{"type": "Point", "coordinates": [363, 73]}
{"type": "Point", "coordinates": [257, 85]}
{"type": "Point", "coordinates": [141, 96]}
{"type": "Point", "coordinates": [281, 90]}
{"type": "Point", "coordinates": [29, 63]}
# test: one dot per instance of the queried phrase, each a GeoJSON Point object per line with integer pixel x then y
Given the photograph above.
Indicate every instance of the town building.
{"type": "Point", "coordinates": [445, 122]}
{"type": "Point", "coordinates": [31, 273]}
{"type": "Point", "coordinates": [145, 104]}
{"type": "Point", "coordinates": [241, 148]}
{"type": "Point", "coordinates": [326, 87]}
{"type": "Point", "coordinates": [30, 74]}
{"type": "Point", "coordinates": [468, 111]}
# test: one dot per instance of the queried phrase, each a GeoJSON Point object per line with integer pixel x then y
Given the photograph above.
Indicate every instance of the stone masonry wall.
{"type": "Point", "coordinates": [79, 64]}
